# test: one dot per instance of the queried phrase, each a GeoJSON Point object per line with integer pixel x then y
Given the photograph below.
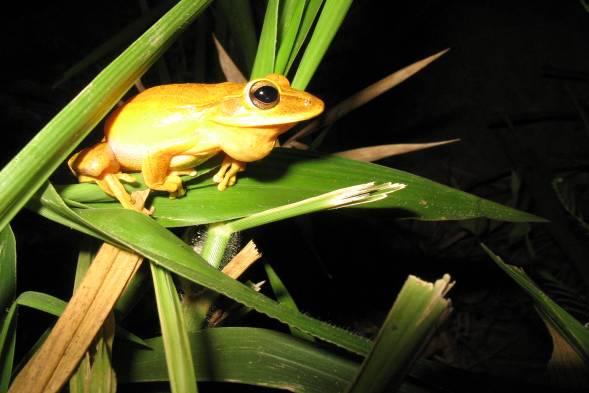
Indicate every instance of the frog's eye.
{"type": "Point", "coordinates": [264, 95]}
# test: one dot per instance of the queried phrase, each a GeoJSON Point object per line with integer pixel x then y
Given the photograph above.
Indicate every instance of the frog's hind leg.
{"type": "Point", "coordinates": [112, 185]}
{"type": "Point", "coordinates": [157, 176]}
{"type": "Point", "coordinates": [97, 164]}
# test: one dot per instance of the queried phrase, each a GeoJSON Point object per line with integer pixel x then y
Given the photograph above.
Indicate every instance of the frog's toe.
{"type": "Point", "coordinates": [126, 177]}
{"type": "Point", "coordinates": [180, 192]}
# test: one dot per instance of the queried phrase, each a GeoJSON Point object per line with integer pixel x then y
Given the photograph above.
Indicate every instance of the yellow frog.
{"type": "Point", "coordinates": [166, 131]}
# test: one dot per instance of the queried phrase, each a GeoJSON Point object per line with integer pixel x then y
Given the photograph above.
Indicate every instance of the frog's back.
{"type": "Point", "coordinates": [162, 111]}
{"type": "Point", "coordinates": [172, 95]}
{"type": "Point", "coordinates": [159, 115]}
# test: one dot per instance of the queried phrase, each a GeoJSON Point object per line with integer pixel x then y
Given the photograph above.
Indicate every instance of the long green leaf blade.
{"type": "Point", "coordinates": [264, 63]}
{"type": "Point", "coordinates": [414, 317]}
{"type": "Point", "coordinates": [7, 346]}
{"type": "Point", "coordinates": [179, 361]}
{"type": "Point", "coordinates": [7, 267]}
{"type": "Point", "coordinates": [309, 16]}
{"type": "Point", "coordinates": [7, 307]}
{"type": "Point", "coordinates": [332, 16]}
{"type": "Point", "coordinates": [55, 306]}
{"type": "Point", "coordinates": [572, 330]}
{"type": "Point", "coordinates": [290, 19]}
{"type": "Point", "coordinates": [143, 235]}
{"type": "Point", "coordinates": [246, 355]}
{"type": "Point", "coordinates": [124, 36]}
{"type": "Point", "coordinates": [283, 297]}
{"type": "Point", "coordinates": [27, 171]}
{"type": "Point", "coordinates": [288, 175]}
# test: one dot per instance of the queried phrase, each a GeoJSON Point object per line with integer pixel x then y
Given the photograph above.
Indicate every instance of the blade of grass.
{"type": "Point", "coordinates": [332, 16]}
{"type": "Point", "coordinates": [278, 361]}
{"type": "Point", "coordinates": [283, 296]}
{"type": "Point", "coordinates": [311, 11]}
{"type": "Point", "coordinates": [7, 296]}
{"type": "Point", "coordinates": [264, 63]}
{"type": "Point", "coordinates": [7, 267]}
{"type": "Point", "coordinates": [290, 20]}
{"type": "Point", "coordinates": [179, 362]}
{"type": "Point", "coordinates": [55, 306]}
{"type": "Point", "coordinates": [141, 234]}
{"type": "Point", "coordinates": [415, 315]}
{"type": "Point", "coordinates": [96, 375]}
{"type": "Point", "coordinates": [572, 330]}
{"type": "Point", "coordinates": [219, 234]}
{"type": "Point", "coordinates": [364, 96]}
{"type": "Point", "coordinates": [85, 257]}
{"type": "Point", "coordinates": [31, 167]}
{"type": "Point", "coordinates": [285, 15]}
{"type": "Point", "coordinates": [7, 346]}
{"type": "Point", "coordinates": [129, 32]}
{"type": "Point", "coordinates": [288, 175]}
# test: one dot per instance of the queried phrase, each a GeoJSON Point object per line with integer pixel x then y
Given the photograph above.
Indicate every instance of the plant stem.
{"type": "Point", "coordinates": [215, 244]}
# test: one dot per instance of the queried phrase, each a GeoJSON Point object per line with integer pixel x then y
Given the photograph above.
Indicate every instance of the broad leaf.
{"type": "Point", "coordinates": [246, 355]}
{"type": "Point", "coordinates": [287, 176]}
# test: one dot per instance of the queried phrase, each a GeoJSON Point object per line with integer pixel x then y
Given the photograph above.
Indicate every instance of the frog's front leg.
{"type": "Point", "coordinates": [227, 174]}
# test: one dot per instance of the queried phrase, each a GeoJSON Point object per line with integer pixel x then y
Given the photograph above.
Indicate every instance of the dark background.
{"type": "Point", "coordinates": [518, 62]}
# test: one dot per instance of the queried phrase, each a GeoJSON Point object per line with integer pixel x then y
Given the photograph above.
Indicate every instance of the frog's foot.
{"type": "Point", "coordinates": [174, 179]}
{"type": "Point", "coordinates": [227, 174]}
{"type": "Point", "coordinates": [111, 184]}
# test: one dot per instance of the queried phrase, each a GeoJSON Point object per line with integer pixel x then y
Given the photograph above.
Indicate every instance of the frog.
{"type": "Point", "coordinates": [166, 131]}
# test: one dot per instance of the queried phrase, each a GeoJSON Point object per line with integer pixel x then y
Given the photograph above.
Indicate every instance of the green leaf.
{"type": "Point", "coordinates": [179, 361]}
{"type": "Point", "coordinates": [31, 167]}
{"type": "Point", "coordinates": [7, 267]}
{"type": "Point", "coordinates": [572, 330]}
{"type": "Point", "coordinates": [264, 63]}
{"type": "Point", "coordinates": [42, 302]}
{"type": "Point", "coordinates": [103, 378]}
{"type": "Point", "coordinates": [112, 44]}
{"type": "Point", "coordinates": [283, 296]}
{"type": "Point", "coordinates": [309, 16]}
{"type": "Point", "coordinates": [85, 257]}
{"type": "Point", "coordinates": [135, 231]}
{"type": "Point", "coordinates": [95, 374]}
{"type": "Point", "coordinates": [55, 306]}
{"type": "Point", "coordinates": [414, 317]}
{"type": "Point", "coordinates": [7, 346]}
{"type": "Point", "coordinates": [288, 176]}
{"type": "Point", "coordinates": [332, 16]}
{"type": "Point", "coordinates": [246, 355]}
{"type": "Point", "coordinates": [290, 19]}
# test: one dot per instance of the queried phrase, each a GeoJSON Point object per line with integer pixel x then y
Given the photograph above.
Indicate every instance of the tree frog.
{"type": "Point", "coordinates": [166, 131]}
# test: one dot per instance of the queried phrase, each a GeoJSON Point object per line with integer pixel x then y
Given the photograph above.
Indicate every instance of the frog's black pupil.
{"type": "Point", "coordinates": [266, 94]}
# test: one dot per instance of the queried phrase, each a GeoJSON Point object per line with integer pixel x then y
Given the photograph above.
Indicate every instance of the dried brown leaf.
{"type": "Point", "coordinates": [243, 260]}
{"type": "Point", "coordinates": [375, 153]}
{"type": "Point", "coordinates": [364, 96]}
{"type": "Point", "coordinates": [228, 66]}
